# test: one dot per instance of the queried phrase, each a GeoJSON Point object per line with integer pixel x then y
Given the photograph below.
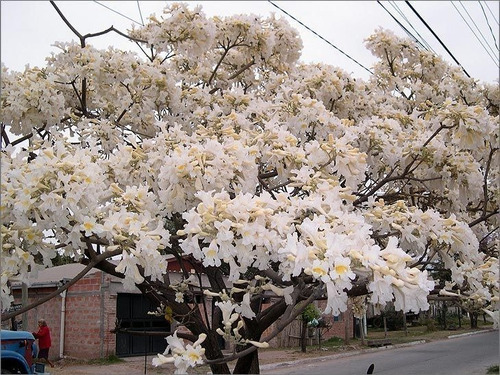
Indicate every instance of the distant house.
{"type": "Point", "coordinates": [342, 326]}
{"type": "Point", "coordinates": [81, 318]}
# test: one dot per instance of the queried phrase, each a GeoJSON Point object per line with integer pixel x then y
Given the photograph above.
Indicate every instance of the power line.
{"type": "Point", "coordinates": [473, 32]}
{"type": "Point", "coordinates": [402, 26]}
{"type": "Point", "coordinates": [396, 7]}
{"type": "Point", "coordinates": [487, 6]}
{"type": "Point", "coordinates": [115, 11]}
{"type": "Point", "coordinates": [319, 36]}
{"type": "Point", "coordinates": [140, 13]}
{"type": "Point", "coordinates": [488, 22]}
{"type": "Point", "coordinates": [439, 40]}
{"type": "Point", "coordinates": [484, 39]}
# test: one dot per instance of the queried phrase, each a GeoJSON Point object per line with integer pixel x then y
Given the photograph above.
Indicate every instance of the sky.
{"type": "Point", "coordinates": [29, 28]}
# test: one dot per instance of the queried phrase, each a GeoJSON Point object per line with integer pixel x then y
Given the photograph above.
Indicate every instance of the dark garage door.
{"type": "Point", "coordinates": [132, 312]}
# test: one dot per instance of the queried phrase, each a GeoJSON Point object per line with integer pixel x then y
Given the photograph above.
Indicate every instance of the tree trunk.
{"type": "Point", "coordinates": [473, 319]}
{"type": "Point", "coordinates": [221, 368]}
{"type": "Point", "coordinates": [303, 336]}
{"type": "Point", "coordinates": [248, 364]}
{"type": "Point", "coordinates": [213, 351]}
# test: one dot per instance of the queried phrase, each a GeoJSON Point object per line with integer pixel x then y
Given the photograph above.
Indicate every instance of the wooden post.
{"type": "Point", "coordinates": [24, 297]}
{"type": "Point", "coordinates": [318, 331]}
{"type": "Point", "coordinates": [346, 326]}
{"type": "Point", "coordinates": [385, 327]}
{"type": "Point", "coordinates": [404, 323]}
{"type": "Point", "coordinates": [362, 331]}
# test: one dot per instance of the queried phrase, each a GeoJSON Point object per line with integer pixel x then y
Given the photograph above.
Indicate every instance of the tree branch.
{"type": "Point", "coordinates": [61, 289]}
{"type": "Point", "coordinates": [296, 311]}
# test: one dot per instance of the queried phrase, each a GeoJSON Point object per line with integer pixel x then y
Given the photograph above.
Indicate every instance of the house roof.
{"type": "Point", "coordinates": [54, 275]}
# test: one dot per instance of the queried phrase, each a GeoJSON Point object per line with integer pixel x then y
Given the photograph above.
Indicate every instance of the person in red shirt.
{"type": "Point", "coordinates": [44, 341]}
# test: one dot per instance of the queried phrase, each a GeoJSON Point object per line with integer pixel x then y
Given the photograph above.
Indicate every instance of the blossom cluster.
{"type": "Point", "coordinates": [222, 146]}
{"type": "Point", "coordinates": [183, 356]}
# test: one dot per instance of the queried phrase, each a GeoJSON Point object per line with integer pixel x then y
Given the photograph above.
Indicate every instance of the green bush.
{"type": "Point", "coordinates": [311, 314]}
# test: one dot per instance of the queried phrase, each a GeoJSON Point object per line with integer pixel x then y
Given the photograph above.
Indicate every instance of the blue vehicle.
{"type": "Point", "coordinates": [18, 353]}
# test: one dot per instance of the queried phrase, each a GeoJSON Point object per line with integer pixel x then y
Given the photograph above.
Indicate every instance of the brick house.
{"type": "Point", "coordinates": [81, 318]}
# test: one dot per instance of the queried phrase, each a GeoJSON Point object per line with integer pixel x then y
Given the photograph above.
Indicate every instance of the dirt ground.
{"type": "Point", "coordinates": [141, 365]}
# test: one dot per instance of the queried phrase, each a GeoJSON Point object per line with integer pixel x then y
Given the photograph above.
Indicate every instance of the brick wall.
{"type": "Point", "coordinates": [50, 311]}
{"type": "Point", "coordinates": [89, 317]}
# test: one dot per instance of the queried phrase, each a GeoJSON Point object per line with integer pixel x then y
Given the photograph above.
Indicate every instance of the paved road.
{"type": "Point", "coordinates": [466, 355]}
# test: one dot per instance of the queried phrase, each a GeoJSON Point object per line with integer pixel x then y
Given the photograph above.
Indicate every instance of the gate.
{"type": "Point", "coordinates": [132, 313]}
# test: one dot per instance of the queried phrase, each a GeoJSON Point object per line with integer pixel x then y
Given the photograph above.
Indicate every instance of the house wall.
{"type": "Point", "coordinates": [50, 311]}
{"type": "Point", "coordinates": [89, 303]}
{"type": "Point", "coordinates": [90, 315]}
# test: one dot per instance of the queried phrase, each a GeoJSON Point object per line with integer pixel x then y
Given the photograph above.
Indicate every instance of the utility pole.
{"type": "Point", "coordinates": [24, 297]}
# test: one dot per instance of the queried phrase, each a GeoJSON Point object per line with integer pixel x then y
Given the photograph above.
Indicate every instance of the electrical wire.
{"type": "Point", "coordinates": [488, 22]}
{"type": "Point", "coordinates": [487, 6]}
{"type": "Point", "coordinates": [422, 39]}
{"type": "Point", "coordinates": [473, 32]}
{"type": "Point", "coordinates": [140, 13]}
{"type": "Point", "coordinates": [484, 39]}
{"type": "Point", "coordinates": [319, 36]}
{"type": "Point", "coordinates": [435, 35]}
{"type": "Point", "coordinates": [115, 11]}
{"type": "Point", "coordinates": [402, 26]}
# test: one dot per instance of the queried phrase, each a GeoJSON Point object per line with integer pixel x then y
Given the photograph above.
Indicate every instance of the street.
{"type": "Point", "coordinates": [466, 355]}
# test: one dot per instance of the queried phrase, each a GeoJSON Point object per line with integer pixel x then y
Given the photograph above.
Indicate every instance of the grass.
{"type": "Point", "coordinates": [420, 333]}
{"type": "Point", "coordinates": [417, 333]}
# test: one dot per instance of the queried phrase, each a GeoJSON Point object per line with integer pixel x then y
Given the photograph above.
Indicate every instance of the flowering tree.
{"type": "Point", "coordinates": [263, 174]}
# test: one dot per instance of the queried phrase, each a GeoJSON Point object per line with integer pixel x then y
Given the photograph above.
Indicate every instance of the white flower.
{"type": "Point", "coordinates": [336, 299]}
{"type": "Point", "coordinates": [342, 269]}
{"type": "Point", "coordinates": [90, 226]}
{"type": "Point", "coordinates": [381, 288]}
{"type": "Point", "coordinates": [182, 357]}
{"type": "Point", "coordinates": [161, 360]}
{"type": "Point", "coordinates": [495, 315]}
{"type": "Point", "coordinates": [179, 297]}
{"type": "Point", "coordinates": [285, 292]}
{"type": "Point", "coordinates": [227, 317]}
{"type": "Point", "coordinates": [319, 270]}
{"type": "Point", "coordinates": [128, 266]}
{"type": "Point", "coordinates": [258, 344]}
{"type": "Point", "coordinates": [244, 307]}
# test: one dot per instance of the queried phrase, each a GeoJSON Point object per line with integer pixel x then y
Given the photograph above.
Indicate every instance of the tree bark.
{"type": "Point", "coordinates": [303, 336]}
{"type": "Point", "coordinates": [248, 364]}
{"type": "Point", "coordinates": [473, 319]}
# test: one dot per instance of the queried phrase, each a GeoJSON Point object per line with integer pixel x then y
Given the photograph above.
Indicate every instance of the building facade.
{"type": "Point", "coordinates": [81, 318]}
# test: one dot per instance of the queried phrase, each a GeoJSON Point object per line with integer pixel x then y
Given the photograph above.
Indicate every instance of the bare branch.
{"type": "Point", "coordinates": [82, 39]}
{"type": "Point", "coordinates": [111, 28]}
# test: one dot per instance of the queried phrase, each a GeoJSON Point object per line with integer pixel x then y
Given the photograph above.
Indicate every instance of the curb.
{"type": "Point", "coordinates": [472, 333]}
{"type": "Point", "coordinates": [272, 366]}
